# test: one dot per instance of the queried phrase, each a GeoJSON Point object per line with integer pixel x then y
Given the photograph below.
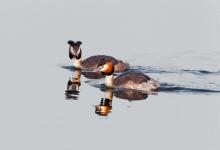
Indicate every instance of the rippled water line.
{"type": "Point", "coordinates": [165, 87]}
{"type": "Point", "coordinates": [181, 71]}
{"type": "Point", "coordinates": [161, 71]}
{"type": "Point", "coordinates": [190, 81]}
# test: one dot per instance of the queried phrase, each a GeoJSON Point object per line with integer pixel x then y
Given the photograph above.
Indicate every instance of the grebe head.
{"type": "Point", "coordinates": [106, 67]}
{"type": "Point", "coordinates": [74, 49]}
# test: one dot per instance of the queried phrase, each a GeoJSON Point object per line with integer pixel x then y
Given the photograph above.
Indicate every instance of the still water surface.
{"type": "Point", "coordinates": [175, 42]}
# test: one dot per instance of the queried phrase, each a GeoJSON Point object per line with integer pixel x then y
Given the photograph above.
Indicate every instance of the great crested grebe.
{"type": "Point", "coordinates": [127, 80]}
{"type": "Point", "coordinates": [91, 63]}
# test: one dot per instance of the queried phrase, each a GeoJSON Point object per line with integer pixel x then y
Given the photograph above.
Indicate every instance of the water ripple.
{"type": "Point", "coordinates": [177, 71]}
{"type": "Point", "coordinates": [178, 80]}
{"type": "Point", "coordinates": [165, 87]}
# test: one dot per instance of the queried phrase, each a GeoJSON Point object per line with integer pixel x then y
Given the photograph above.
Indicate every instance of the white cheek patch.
{"type": "Point", "coordinates": [104, 68]}
{"type": "Point", "coordinates": [78, 52]}
{"type": "Point", "coordinates": [99, 68]}
{"type": "Point", "coordinates": [72, 50]}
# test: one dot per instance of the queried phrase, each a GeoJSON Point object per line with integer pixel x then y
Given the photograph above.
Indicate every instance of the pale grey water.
{"type": "Point", "coordinates": [174, 41]}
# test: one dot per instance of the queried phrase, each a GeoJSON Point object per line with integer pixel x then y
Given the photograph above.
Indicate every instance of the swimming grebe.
{"type": "Point", "coordinates": [127, 80]}
{"type": "Point", "coordinates": [91, 63]}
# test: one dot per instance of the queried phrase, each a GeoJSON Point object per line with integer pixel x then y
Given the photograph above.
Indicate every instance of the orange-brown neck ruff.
{"type": "Point", "coordinates": [108, 68]}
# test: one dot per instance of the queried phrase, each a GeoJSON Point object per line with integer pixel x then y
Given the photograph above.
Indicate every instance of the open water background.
{"type": "Point", "coordinates": [176, 42]}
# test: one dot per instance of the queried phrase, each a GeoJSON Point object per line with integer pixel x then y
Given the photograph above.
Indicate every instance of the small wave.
{"type": "Point", "coordinates": [160, 70]}
{"type": "Point", "coordinates": [150, 70]}
{"type": "Point", "coordinates": [165, 87]}
{"type": "Point", "coordinates": [200, 72]}
{"type": "Point", "coordinates": [70, 68]}
{"type": "Point", "coordinates": [177, 71]}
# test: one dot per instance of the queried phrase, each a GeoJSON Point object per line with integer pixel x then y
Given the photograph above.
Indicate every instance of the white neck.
{"type": "Point", "coordinates": [77, 63]}
{"type": "Point", "coordinates": [109, 81]}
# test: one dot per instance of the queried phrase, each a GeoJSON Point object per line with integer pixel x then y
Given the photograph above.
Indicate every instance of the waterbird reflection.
{"type": "Point", "coordinates": [72, 90]}
{"type": "Point", "coordinates": [105, 105]}
{"type": "Point", "coordinates": [86, 74]}
{"type": "Point", "coordinates": [129, 94]}
{"type": "Point", "coordinates": [92, 75]}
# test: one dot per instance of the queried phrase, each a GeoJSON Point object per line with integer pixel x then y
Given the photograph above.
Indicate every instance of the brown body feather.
{"type": "Point", "coordinates": [92, 62]}
{"type": "Point", "coordinates": [131, 77]}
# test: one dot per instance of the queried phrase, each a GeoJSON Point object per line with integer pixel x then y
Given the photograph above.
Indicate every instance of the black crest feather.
{"type": "Point", "coordinates": [71, 42]}
{"type": "Point", "coordinates": [78, 43]}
